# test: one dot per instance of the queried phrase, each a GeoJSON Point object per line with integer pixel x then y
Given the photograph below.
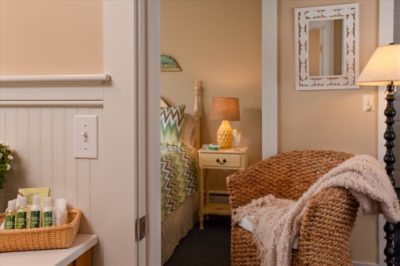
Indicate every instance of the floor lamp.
{"type": "Point", "coordinates": [383, 69]}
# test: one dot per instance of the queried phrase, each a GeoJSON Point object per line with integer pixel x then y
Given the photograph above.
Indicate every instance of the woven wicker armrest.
{"type": "Point", "coordinates": [286, 175]}
{"type": "Point", "coordinates": [244, 186]}
{"type": "Point", "coordinates": [329, 217]}
{"type": "Point", "coordinates": [326, 227]}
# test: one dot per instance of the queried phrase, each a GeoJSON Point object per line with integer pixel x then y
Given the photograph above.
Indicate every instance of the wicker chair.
{"type": "Point", "coordinates": [329, 218]}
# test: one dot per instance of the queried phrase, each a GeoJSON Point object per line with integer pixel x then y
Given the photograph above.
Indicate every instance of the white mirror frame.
{"type": "Point", "coordinates": [349, 13]}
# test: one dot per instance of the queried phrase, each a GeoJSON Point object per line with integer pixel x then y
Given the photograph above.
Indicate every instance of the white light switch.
{"type": "Point", "coordinates": [85, 136]}
{"type": "Point", "coordinates": [368, 103]}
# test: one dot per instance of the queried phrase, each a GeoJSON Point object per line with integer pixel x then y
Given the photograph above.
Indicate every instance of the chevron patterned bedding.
{"type": "Point", "coordinates": [179, 176]}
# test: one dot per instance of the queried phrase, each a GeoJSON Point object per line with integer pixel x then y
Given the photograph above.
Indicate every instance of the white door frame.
{"type": "Point", "coordinates": [153, 190]}
{"type": "Point", "coordinates": [386, 30]}
{"type": "Point", "coordinates": [119, 134]}
{"type": "Point", "coordinates": [149, 185]}
{"type": "Point", "coordinates": [151, 113]}
{"type": "Point", "coordinates": [269, 75]}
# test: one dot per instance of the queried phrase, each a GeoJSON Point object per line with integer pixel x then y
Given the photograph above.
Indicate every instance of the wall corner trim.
{"type": "Point", "coordinates": [269, 76]}
{"type": "Point", "coordinates": [54, 80]}
{"type": "Point", "coordinates": [361, 263]}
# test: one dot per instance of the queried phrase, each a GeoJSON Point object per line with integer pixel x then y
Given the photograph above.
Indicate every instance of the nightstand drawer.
{"type": "Point", "coordinates": [221, 160]}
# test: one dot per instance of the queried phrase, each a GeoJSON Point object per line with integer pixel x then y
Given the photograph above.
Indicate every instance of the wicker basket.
{"type": "Point", "coordinates": [53, 237]}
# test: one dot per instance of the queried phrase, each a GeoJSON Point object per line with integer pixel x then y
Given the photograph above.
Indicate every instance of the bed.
{"type": "Point", "coordinates": [179, 177]}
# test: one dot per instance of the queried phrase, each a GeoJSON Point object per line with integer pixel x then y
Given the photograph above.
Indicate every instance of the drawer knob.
{"type": "Point", "coordinates": [219, 161]}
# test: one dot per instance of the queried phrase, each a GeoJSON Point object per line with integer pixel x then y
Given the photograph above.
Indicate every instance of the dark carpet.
{"type": "Point", "coordinates": [207, 247]}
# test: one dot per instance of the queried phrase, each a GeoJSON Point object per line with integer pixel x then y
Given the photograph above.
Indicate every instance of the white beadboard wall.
{"type": "Point", "coordinates": [43, 141]}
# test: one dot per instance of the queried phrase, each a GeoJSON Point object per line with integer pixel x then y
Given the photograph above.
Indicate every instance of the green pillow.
{"type": "Point", "coordinates": [171, 120]}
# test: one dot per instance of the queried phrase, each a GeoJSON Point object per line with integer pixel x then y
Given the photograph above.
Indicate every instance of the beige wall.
{"type": "Point", "coordinates": [51, 37]}
{"type": "Point", "coordinates": [329, 119]}
{"type": "Point", "coordinates": [66, 37]}
{"type": "Point", "coordinates": [218, 42]}
{"type": "Point", "coordinates": [314, 36]}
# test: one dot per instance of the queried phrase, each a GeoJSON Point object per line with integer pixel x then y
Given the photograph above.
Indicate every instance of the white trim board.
{"type": "Point", "coordinates": [24, 103]}
{"type": "Point", "coordinates": [86, 87]}
{"type": "Point", "coordinates": [269, 74]}
{"type": "Point", "coordinates": [60, 93]}
{"type": "Point", "coordinates": [53, 79]}
{"type": "Point", "coordinates": [360, 263]}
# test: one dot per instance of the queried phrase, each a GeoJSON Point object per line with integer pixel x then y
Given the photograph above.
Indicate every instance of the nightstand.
{"type": "Point", "coordinates": [224, 159]}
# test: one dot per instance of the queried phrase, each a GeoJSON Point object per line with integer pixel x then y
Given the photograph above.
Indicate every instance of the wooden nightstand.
{"type": "Point", "coordinates": [225, 159]}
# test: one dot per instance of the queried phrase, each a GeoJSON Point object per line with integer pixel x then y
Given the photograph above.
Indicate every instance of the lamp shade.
{"type": "Point", "coordinates": [225, 108]}
{"type": "Point", "coordinates": [383, 67]}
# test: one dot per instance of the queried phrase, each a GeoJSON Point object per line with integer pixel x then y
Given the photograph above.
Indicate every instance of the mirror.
{"type": "Point", "coordinates": [325, 53]}
{"type": "Point", "coordinates": [326, 43]}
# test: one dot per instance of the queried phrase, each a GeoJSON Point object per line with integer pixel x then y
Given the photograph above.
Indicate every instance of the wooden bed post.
{"type": "Point", "coordinates": [198, 112]}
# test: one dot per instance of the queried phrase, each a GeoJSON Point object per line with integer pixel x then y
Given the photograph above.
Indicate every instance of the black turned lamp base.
{"type": "Point", "coordinates": [390, 136]}
{"type": "Point", "coordinates": [397, 236]}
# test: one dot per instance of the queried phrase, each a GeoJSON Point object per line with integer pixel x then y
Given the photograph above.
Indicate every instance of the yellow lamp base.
{"type": "Point", "coordinates": [224, 135]}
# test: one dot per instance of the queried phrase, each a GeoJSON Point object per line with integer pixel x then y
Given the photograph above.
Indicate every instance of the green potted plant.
{"type": "Point", "coordinates": [6, 159]}
{"type": "Point", "coordinates": [5, 163]}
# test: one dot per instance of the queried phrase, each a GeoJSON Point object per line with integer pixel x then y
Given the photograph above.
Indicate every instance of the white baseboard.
{"type": "Point", "coordinates": [361, 263]}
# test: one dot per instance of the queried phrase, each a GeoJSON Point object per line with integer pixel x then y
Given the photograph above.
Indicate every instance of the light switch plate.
{"type": "Point", "coordinates": [85, 136]}
{"type": "Point", "coordinates": [368, 103]}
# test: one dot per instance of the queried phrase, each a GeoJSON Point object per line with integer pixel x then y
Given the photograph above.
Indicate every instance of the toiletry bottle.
{"type": "Point", "coordinates": [20, 222]}
{"type": "Point", "coordinates": [47, 212]}
{"type": "Point", "coordinates": [34, 217]}
{"type": "Point", "coordinates": [9, 220]}
{"type": "Point", "coordinates": [61, 211]}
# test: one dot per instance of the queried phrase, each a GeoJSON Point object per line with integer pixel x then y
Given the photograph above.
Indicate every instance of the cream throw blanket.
{"type": "Point", "coordinates": [276, 222]}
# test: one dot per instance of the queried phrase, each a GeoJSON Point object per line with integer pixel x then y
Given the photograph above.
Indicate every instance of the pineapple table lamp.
{"type": "Point", "coordinates": [225, 109]}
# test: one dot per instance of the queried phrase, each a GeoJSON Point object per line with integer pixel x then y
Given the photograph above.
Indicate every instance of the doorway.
{"type": "Point", "coordinates": [228, 82]}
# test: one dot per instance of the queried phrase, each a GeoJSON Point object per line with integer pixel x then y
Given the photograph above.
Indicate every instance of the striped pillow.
{"type": "Point", "coordinates": [171, 121]}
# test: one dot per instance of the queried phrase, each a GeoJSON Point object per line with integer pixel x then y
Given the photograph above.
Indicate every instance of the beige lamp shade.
{"type": "Point", "coordinates": [225, 108]}
{"type": "Point", "coordinates": [382, 68]}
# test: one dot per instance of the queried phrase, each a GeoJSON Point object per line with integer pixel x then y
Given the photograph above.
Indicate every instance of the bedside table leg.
{"type": "Point", "coordinates": [207, 184]}
{"type": "Point", "coordinates": [201, 221]}
{"type": "Point", "coordinates": [201, 193]}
